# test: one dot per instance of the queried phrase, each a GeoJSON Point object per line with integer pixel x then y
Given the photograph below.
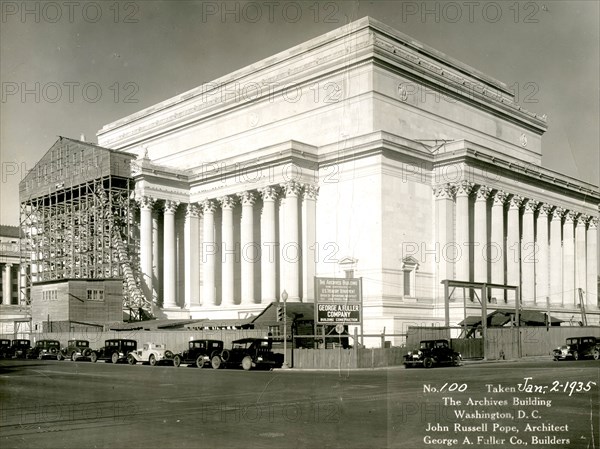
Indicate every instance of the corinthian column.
{"type": "Point", "coordinates": [146, 245]}
{"type": "Point", "coordinates": [191, 256]}
{"type": "Point", "coordinates": [444, 204]}
{"type": "Point", "coordinates": [169, 261]}
{"type": "Point", "coordinates": [290, 249]}
{"type": "Point", "coordinates": [569, 260]}
{"type": "Point", "coordinates": [592, 264]}
{"type": "Point", "coordinates": [480, 255]}
{"type": "Point", "coordinates": [209, 253]}
{"type": "Point", "coordinates": [463, 264]}
{"type": "Point", "coordinates": [556, 266]}
{"type": "Point", "coordinates": [309, 239]}
{"type": "Point", "coordinates": [497, 251]}
{"type": "Point", "coordinates": [7, 284]}
{"type": "Point", "coordinates": [248, 248]}
{"type": "Point", "coordinates": [580, 257]}
{"type": "Point", "coordinates": [157, 263]}
{"type": "Point", "coordinates": [513, 244]}
{"type": "Point", "coordinates": [268, 256]}
{"type": "Point", "coordinates": [541, 267]}
{"type": "Point", "coordinates": [528, 253]}
{"type": "Point", "coordinates": [227, 251]}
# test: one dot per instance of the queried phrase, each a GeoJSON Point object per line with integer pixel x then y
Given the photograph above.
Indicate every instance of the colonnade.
{"type": "Point", "coordinates": [263, 266]}
{"type": "Point", "coordinates": [506, 238]}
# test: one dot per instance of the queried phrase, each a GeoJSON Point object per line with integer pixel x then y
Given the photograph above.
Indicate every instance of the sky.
{"type": "Point", "coordinates": [68, 68]}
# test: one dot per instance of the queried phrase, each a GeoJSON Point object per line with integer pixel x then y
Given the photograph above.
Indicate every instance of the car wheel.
{"type": "Point", "coordinates": [200, 361]}
{"type": "Point", "coordinates": [216, 362]}
{"type": "Point", "coordinates": [575, 355]}
{"type": "Point", "coordinates": [115, 357]}
{"type": "Point", "coordinates": [225, 355]}
{"type": "Point", "coordinates": [73, 356]}
{"type": "Point", "coordinates": [152, 360]}
{"type": "Point", "coordinates": [596, 354]}
{"type": "Point", "coordinates": [40, 356]}
{"type": "Point", "coordinates": [93, 357]}
{"type": "Point", "coordinates": [86, 352]}
{"type": "Point", "coordinates": [428, 362]}
{"type": "Point", "coordinates": [59, 357]}
{"type": "Point", "coordinates": [131, 360]}
{"type": "Point", "coordinates": [176, 361]}
{"type": "Point", "coordinates": [247, 363]}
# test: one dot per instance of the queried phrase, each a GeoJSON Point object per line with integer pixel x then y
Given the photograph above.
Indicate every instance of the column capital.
{"type": "Point", "coordinates": [208, 206]}
{"type": "Point", "coordinates": [593, 222]}
{"type": "Point", "coordinates": [227, 202]}
{"type": "Point", "coordinates": [192, 210]}
{"type": "Point", "coordinates": [483, 193]}
{"type": "Point", "coordinates": [291, 188]}
{"type": "Point", "coordinates": [499, 197]}
{"type": "Point", "coordinates": [8, 265]}
{"type": "Point", "coordinates": [268, 193]}
{"type": "Point", "coordinates": [570, 216]}
{"type": "Point", "coordinates": [531, 206]}
{"type": "Point", "coordinates": [171, 206]}
{"type": "Point", "coordinates": [310, 192]}
{"type": "Point", "coordinates": [545, 209]}
{"type": "Point", "coordinates": [444, 191]}
{"type": "Point", "coordinates": [582, 220]}
{"type": "Point", "coordinates": [558, 212]}
{"type": "Point", "coordinates": [463, 188]}
{"type": "Point", "coordinates": [515, 202]}
{"type": "Point", "coordinates": [145, 202]}
{"type": "Point", "coordinates": [247, 198]}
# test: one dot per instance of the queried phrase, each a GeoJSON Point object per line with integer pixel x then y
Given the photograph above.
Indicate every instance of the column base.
{"type": "Point", "coordinates": [173, 313]}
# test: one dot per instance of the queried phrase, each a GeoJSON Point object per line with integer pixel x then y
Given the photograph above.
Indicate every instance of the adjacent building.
{"type": "Point", "coordinates": [14, 312]}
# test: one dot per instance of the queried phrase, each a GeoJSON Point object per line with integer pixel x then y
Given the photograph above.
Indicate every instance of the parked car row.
{"type": "Point", "coordinates": [247, 353]}
{"type": "Point", "coordinates": [577, 348]}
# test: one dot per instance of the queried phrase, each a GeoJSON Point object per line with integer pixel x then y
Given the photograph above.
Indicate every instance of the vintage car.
{"type": "Point", "coordinates": [248, 353]}
{"type": "Point", "coordinates": [151, 353]}
{"type": "Point", "coordinates": [75, 349]}
{"type": "Point", "coordinates": [578, 348]}
{"type": "Point", "coordinates": [114, 350]}
{"type": "Point", "coordinates": [19, 348]}
{"type": "Point", "coordinates": [44, 349]}
{"type": "Point", "coordinates": [432, 352]}
{"type": "Point", "coordinates": [4, 348]}
{"type": "Point", "coordinates": [199, 353]}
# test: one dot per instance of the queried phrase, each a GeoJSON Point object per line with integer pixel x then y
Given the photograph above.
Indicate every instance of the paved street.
{"type": "Point", "coordinates": [67, 404]}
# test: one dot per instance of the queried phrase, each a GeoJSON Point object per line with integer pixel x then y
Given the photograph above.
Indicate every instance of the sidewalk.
{"type": "Point", "coordinates": [397, 367]}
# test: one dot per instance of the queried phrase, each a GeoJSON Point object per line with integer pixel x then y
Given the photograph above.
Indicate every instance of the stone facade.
{"type": "Point", "coordinates": [361, 145]}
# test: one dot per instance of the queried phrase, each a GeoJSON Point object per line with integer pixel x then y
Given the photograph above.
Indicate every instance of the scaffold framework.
{"type": "Point", "coordinates": [78, 220]}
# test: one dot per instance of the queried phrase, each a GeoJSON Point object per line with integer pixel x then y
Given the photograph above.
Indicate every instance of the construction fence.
{"type": "Point", "coordinates": [504, 342]}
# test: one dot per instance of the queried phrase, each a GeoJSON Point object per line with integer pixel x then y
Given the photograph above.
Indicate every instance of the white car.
{"type": "Point", "coordinates": [151, 353]}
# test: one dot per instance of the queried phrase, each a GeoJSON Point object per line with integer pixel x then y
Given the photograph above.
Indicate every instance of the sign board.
{"type": "Point", "coordinates": [338, 301]}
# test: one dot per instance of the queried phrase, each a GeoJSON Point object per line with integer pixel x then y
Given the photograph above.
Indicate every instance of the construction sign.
{"type": "Point", "coordinates": [338, 300]}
